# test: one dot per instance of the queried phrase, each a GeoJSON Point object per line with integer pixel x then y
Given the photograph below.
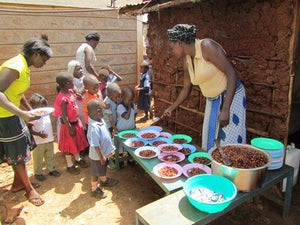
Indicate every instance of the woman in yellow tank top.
{"type": "Point", "coordinates": [207, 65]}
{"type": "Point", "coordinates": [15, 140]}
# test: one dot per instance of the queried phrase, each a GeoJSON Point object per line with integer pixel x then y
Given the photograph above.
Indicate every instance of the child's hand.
{"type": "Point", "coordinates": [102, 161]}
{"type": "Point", "coordinates": [78, 96]}
{"type": "Point", "coordinates": [72, 131]}
{"type": "Point", "coordinates": [43, 135]}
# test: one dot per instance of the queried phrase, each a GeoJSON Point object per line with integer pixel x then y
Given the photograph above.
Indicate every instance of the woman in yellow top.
{"type": "Point", "coordinates": [15, 141]}
{"type": "Point", "coordinates": [207, 65]}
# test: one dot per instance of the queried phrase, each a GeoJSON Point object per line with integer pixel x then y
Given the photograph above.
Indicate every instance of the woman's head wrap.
{"type": "Point", "coordinates": [183, 32]}
{"type": "Point", "coordinates": [72, 65]}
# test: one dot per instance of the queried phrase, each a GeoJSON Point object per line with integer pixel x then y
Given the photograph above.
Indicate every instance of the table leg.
{"type": "Point", "coordinates": [117, 159]}
{"type": "Point", "coordinates": [288, 193]}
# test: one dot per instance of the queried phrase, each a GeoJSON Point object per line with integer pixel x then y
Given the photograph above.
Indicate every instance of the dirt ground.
{"type": "Point", "coordinates": [68, 200]}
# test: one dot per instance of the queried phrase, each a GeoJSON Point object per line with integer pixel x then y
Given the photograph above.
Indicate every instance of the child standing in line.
{"type": "Point", "coordinates": [126, 110]}
{"type": "Point", "coordinates": [144, 100]}
{"type": "Point", "coordinates": [76, 70]}
{"type": "Point", "coordinates": [110, 114]}
{"type": "Point", "coordinates": [43, 135]}
{"type": "Point", "coordinates": [91, 85]}
{"type": "Point", "coordinates": [72, 139]}
{"type": "Point", "coordinates": [101, 148]}
{"type": "Point", "coordinates": [107, 76]}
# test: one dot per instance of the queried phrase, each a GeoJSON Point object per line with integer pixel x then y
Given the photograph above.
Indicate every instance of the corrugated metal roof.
{"type": "Point", "coordinates": [153, 5]}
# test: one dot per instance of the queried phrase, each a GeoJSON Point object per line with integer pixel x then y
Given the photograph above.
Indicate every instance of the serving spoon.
{"type": "Point", "coordinates": [225, 160]}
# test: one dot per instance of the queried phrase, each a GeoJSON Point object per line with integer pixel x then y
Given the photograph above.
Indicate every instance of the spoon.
{"type": "Point", "coordinates": [224, 157]}
{"type": "Point", "coordinates": [157, 119]}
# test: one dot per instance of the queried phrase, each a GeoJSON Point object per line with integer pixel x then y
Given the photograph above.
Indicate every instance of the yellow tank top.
{"type": "Point", "coordinates": [210, 79]}
{"type": "Point", "coordinates": [19, 86]}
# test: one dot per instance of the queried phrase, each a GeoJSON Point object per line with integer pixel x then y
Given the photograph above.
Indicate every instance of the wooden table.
{"type": "Point", "coordinates": [148, 164]}
{"type": "Point", "coordinates": [176, 209]}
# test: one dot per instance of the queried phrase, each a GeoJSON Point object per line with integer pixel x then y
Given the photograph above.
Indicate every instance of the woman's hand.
{"type": "Point", "coordinates": [28, 116]}
{"type": "Point", "coordinates": [168, 112]}
{"type": "Point", "coordinates": [224, 117]}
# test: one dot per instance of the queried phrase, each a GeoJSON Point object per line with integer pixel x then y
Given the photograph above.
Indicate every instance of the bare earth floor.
{"type": "Point", "coordinates": [68, 200]}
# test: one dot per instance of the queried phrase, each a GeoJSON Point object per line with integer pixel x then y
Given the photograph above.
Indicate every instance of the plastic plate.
{"type": "Point", "coordinates": [162, 155]}
{"type": "Point", "coordinates": [43, 111]}
{"type": "Point", "coordinates": [156, 128]}
{"type": "Point", "coordinates": [140, 149]}
{"type": "Point", "coordinates": [164, 146]}
{"type": "Point", "coordinates": [189, 166]}
{"type": "Point", "coordinates": [192, 148]}
{"type": "Point", "coordinates": [160, 139]}
{"type": "Point", "coordinates": [130, 142]}
{"type": "Point", "coordinates": [159, 166]}
{"type": "Point", "coordinates": [154, 134]}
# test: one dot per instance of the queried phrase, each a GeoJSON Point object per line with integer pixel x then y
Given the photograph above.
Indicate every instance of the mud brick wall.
{"type": "Point", "coordinates": [255, 34]}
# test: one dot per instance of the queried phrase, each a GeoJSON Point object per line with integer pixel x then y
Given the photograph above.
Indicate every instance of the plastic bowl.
{"type": "Point", "coordinates": [122, 133]}
{"type": "Point", "coordinates": [199, 154]}
{"type": "Point", "coordinates": [129, 141]}
{"type": "Point", "coordinates": [187, 138]}
{"type": "Point", "coordinates": [153, 132]}
{"type": "Point", "coordinates": [191, 147]}
{"type": "Point", "coordinates": [156, 128]}
{"type": "Point", "coordinates": [166, 140]}
{"type": "Point", "coordinates": [215, 183]}
{"type": "Point", "coordinates": [267, 143]}
{"type": "Point", "coordinates": [186, 167]}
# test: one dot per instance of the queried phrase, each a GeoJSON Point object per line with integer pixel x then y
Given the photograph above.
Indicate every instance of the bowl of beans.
{"type": "Point", "coordinates": [169, 147]}
{"type": "Point", "coordinates": [180, 139]}
{"type": "Point", "coordinates": [200, 158]}
{"type": "Point", "coordinates": [174, 157]}
{"type": "Point", "coordinates": [125, 134]}
{"type": "Point", "coordinates": [248, 167]}
{"type": "Point", "coordinates": [188, 149]}
{"type": "Point", "coordinates": [146, 152]}
{"type": "Point", "coordinates": [193, 169]}
{"type": "Point", "coordinates": [148, 134]}
{"type": "Point", "coordinates": [167, 170]}
{"type": "Point", "coordinates": [135, 142]}
{"type": "Point", "coordinates": [159, 141]}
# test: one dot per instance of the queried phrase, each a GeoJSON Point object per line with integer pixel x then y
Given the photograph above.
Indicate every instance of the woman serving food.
{"type": "Point", "coordinates": [207, 65]}
{"type": "Point", "coordinates": [15, 140]}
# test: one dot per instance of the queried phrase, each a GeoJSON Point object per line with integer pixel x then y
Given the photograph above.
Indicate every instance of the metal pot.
{"type": "Point", "coordinates": [246, 180]}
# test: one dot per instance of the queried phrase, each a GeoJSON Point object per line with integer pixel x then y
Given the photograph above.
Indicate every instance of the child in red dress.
{"type": "Point", "coordinates": [72, 139]}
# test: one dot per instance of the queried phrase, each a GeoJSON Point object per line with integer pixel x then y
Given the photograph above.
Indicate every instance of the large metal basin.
{"type": "Point", "coordinates": [246, 180]}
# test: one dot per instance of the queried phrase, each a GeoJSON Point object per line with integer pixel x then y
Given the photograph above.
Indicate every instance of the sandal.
{"type": "Point", "coordinates": [34, 185]}
{"type": "Point", "coordinates": [36, 200]}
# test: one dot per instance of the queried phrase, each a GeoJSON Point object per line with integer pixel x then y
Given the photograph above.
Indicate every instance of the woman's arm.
{"type": "Point", "coordinates": [215, 54]}
{"type": "Point", "coordinates": [119, 78]}
{"type": "Point", "coordinates": [25, 103]}
{"type": "Point", "coordinates": [88, 59]}
{"type": "Point", "coordinates": [7, 76]}
{"type": "Point", "coordinates": [184, 93]}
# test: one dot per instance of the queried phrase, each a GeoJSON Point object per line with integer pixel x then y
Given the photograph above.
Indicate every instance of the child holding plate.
{"type": "Point", "coordinates": [43, 136]}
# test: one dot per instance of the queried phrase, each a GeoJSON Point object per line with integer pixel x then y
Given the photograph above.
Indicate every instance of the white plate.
{"type": "Point", "coordinates": [138, 150]}
{"type": "Point", "coordinates": [161, 165]}
{"type": "Point", "coordinates": [46, 111]}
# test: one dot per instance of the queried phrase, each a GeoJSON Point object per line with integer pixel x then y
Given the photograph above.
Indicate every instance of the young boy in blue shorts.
{"type": "Point", "coordinates": [101, 148]}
